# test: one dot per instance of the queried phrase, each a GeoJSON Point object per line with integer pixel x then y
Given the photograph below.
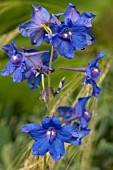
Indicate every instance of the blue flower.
{"type": "Point", "coordinates": [32, 73]}
{"type": "Point", "coordinates": [78, 112]}
{"type": "Point", "coordinates": [73, 33]}
{"type": "Point", "coordinates": [16, 65]}
{"type": "Point", "coordinates": [93, 70]}
{"type": "Point", "coordinates": [78, 133]}
{"type": "Point", "coordinates": [34, 28]}
{"type": "Point", "coordinates": [49, 137]}
{"type": "Point", "coordinates": [92, 73]}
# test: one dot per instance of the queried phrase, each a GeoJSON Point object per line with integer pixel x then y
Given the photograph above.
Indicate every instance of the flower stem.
{"type": "Point", "coordinates": [44, 162]}
{"type": "Point", "coordinates": [49, 81]}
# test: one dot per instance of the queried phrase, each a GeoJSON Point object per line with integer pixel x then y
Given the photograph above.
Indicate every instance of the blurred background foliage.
{"type": "Point", "coordinates": [19, 105]}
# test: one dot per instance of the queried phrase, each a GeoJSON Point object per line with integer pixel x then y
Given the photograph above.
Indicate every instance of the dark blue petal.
{"type": "Point", "coordinates": [51, 122]}
{"type": "Point", "coordinates": [45, 57]}
{"type": "Point", "coordinates": [83, 132]}
{"type": "Point", "coordinates": [75, 141]}
{"type": "Point", "coordinates": [56, 41]}
{"type": "Point", "coordinates": [64, 133]}
{"type": "Point", "coordinates": [14, 45]}
{"type": "Point", "coordinates": [40, 147]}
{"type": "Point", "coordinates": [65, 111]}
{"type": "Point", "coordinates": [28, 28]}
{"type": "Point", "coordinates": [65, 49]}
{"type": "Point", "coordinates": [9, 69]}
{"type": "Point", "coordinates": [86, 19]}
{"type": "Point", "coordinates": [80, 106]}
{"type": "Point", "coordinates": [57, 150]}
{"type": "Point", "coordinates": [9, 50]}
{"type": "Point", "coordinates": [83, 122]}
{"type": "Point", "coordinates": [79, 40]}
{"type": "Point", "coordinates": [17, 75]}
{"type": "Point", "coordinates": [90, 38]}
{"type": "Point", "coordinates": [34, 130]}
{"type": "Point", "coordinates": [96, 89]}
{"type": "Point", "coordinates": [72, 13]}
{"type": "Point", "coordinates": [34, 82]}
{"type": "Point", "coordinates": [101, 55]}
{"type": "Point", "coordinates": [40, 15]}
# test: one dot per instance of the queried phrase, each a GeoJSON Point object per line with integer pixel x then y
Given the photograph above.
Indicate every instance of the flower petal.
{"type": "Point", "coordinates": [28, 28]}
{"type": "Point", "coordinates": [71, 13]}
{"type": "Point", "coordinates": [37, 37]}
{"type": "Point", "coordinates": [79, 40]}
{"type": "Point", "coordinates": [66, 49]}
{"type": "Point", "coordinates": [64, 133]}
{"type": "Point", "coordinates": [40, 15]}
{"type": "Point", "coordinates": [40, 147]}
{"type": "Point", "coordinates": [17, 75]}
{"type": "Point", "coordinates": [65, 111]}
{"type": "Point", "coordinates": [34, 130]}
{"type": "Point", "coordinates": [9, 69]}
{"type": "Point", "coordinates": [51, 122]}
{"type": "Point", "coordinates": [57, 150]}
{"type": "Point", "coordinates": [34, 82]}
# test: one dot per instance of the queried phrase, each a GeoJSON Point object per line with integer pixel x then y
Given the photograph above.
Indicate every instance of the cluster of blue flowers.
{"type": "Point", "coordinates": [29, 64]}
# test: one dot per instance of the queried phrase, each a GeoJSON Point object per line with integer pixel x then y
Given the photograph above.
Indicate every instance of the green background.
{"type": "Point", "coordinates": [19, 105]}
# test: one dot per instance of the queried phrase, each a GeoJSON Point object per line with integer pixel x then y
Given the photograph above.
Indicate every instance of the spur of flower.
{"type": "Point", "coordinates": [72, 34]}
{"type": "Point", "coordinates": [35, 28]}
{"type": "Point", "coordinates": [92, 73]}
{"type": "Point", "coordinates": [77, 112]}
{"type": "Point", "coordinates": [49, 137]}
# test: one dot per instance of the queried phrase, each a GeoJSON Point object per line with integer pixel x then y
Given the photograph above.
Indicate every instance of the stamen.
{"type": "Point", "coordinates": [26, 28]}
{"type": "Point", "coordinates": [14, 57]}
{"type": "Point", "coordinates": [65, 35]}
{"type": "Point", "coordinates": [70, 33]}
{"type": "Point", "coordinates": [96, 70]}
{"type": "Point", "coordinates": [48, 132]}
{"type": "Point", "coordinates": [36, 75]}
{"type": "Point", "coordinates": [86, 113]}
{"type": "Point", "coordinates": [53, 133]}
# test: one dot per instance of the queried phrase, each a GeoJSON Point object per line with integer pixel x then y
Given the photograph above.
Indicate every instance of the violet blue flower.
{"type": "Point", "coordinates": [73, 33]}
{"type": "Point", "coordinates": [92, 73]}
{"type": "Point", "coordinates": [78, 133]}
{"type": "Point", "coordinates": [34, 28]}
{"type": "Point", "coordinates": [78, 112]}
{"type": "Point", "coordinates": [16, 65]}
{"type": "Point", "coordinates": [49, 137]}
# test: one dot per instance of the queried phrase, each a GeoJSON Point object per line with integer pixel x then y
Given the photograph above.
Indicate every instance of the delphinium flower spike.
{"type": "Point", "coordinates": [92, 73]}
{"type": "Point", "coordinates": [73, 33]}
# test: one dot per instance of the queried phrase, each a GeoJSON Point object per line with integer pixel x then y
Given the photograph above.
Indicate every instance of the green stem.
{"type": "Point", "coordinates": [44, 162]}
{"type": "Point", "coordinates": [49, 81]}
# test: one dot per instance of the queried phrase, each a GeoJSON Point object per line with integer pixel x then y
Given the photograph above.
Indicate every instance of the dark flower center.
{"type": "Point", "coordinates": [16, 59]}
{"type": "Point", "coordinates": [95, 73]}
